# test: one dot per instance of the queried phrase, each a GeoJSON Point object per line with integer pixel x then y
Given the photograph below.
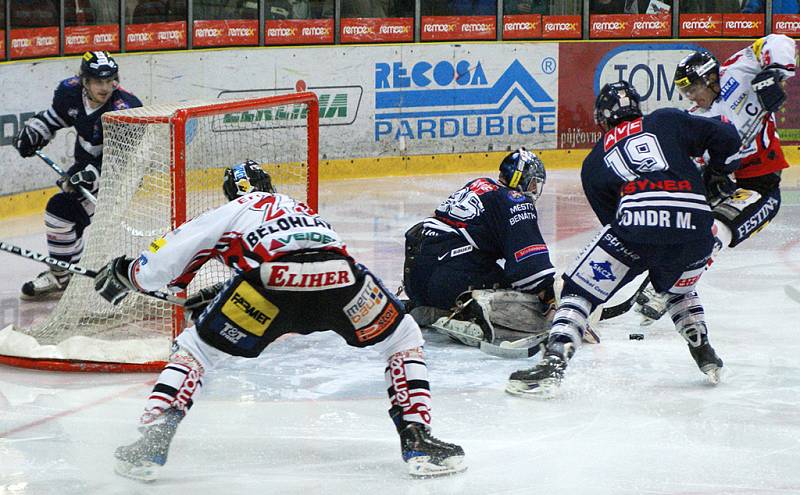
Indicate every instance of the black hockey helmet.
{"type": "Point", "coordinates": [697, 66]}
{"type": "Point", "coordinates": [523, 171]}
{"type": "Point", "coordinates": [616, 103]}
{"type": "Point", "coordinates": [244, 178]}
{"type": "Point", "coordinates": [99, 65]}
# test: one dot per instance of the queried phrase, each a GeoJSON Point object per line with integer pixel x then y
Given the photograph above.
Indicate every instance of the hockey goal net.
{"type": "Point", "coordinates": [163, 165]}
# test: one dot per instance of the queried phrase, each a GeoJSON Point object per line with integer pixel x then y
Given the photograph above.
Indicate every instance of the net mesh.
{"type": "Point", "coordinates": [136, 203]}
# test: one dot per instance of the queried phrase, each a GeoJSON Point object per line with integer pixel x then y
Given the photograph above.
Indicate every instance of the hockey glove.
{"type": "Point", "coordinates": [198, 302]}
{"type": "Point", "coordinates": [86, 178]}
{"type": "Point", "coordinates": [32, 137]}
{"type": "Point", "coordinates": [112, 281]}
{"type": "Point", "coordinates": [767, 85]}
{"type": "Point", "coordinates": [719, 187]}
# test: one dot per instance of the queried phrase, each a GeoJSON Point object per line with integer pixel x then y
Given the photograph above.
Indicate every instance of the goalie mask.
{"type": "Point", "coordinates": [616, 102]}
{"type": "Point", "coordinates": [697, 78]}
{"type": "Point", "coordinates": [523, 171]}
{"type": "Point", "coordinates": [244, 178]}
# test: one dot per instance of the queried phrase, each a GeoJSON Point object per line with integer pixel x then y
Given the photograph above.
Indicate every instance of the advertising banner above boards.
{"type": "Point", "coordinates": [2, 43]}
{"type": "Point", "coordinates": [446, 27]}
{"type": "Point", "coordinates": [717, 25]}
{"type": "Point", "coordinates": [78, 39]}
{"type": "Point", "coordinates": [156, 36]}
{"type": "Point", "coordinates": [298, 32]}
{"type": "Point", "coordinates": [650, 67]}
{"type": "Point", "coordinates": [241, 32]}
{"type": "Point", "coordinates": [386, 100]}
{"type": "Point", "coordinates": [535, 26]}
{"type": "Point", "coordinates": [34, 42]}
{"type": "Point", "coordinates": [788, 24]}
{"type": "Point", "coordinates": [630, 26]}
{"type": "Point", "coordinates": [371, 30]}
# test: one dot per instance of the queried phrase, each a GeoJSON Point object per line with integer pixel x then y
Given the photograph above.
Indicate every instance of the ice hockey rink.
{"type": "Point", "coordinates": [309, 416]}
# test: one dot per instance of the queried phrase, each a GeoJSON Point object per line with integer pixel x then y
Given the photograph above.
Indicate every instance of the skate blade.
{"type": "Point", "coordinates": [545, 389]}
{"type": "Point", "coordinates": [147, 472]}
{"type": "Point", "coordinates": [713, 373]}
{"type": "Point", "coordinates": [421, 467]}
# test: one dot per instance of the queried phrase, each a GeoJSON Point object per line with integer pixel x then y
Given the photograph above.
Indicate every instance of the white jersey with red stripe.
{"type": "Point", "coordinates": [738, 102]}
{"type": "Point", "coordinates": [242, 234]}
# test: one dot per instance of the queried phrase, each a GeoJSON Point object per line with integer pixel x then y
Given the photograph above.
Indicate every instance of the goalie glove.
{"type": "Point", "coordinates": [86, 179]}
{"type": "Point", "coordinates": [767, 85]}
{"type": "Point", "coordinates": [33, 136]}
{"type": "Point", "coordinates": [198, 302]}
{"type": "Point", "coordinates": [719, 186]}
{"type": "Point", "coordinates": [113, 282]}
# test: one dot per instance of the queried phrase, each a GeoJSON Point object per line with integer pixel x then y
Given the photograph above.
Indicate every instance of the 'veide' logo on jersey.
{"type": "Point", "coordinates": [307, 276]}
{"type": "Point", "coordinates": [729, 88]}
{"type": "Point", "coordinates": [602, 271]}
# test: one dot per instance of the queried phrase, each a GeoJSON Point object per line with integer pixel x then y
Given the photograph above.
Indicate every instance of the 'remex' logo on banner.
{"type": "Point", "coordinates": [630, 25]}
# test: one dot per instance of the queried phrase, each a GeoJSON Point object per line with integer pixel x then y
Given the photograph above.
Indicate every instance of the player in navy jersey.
{"type": "Point", "coordinates": [455, 254]}
{"type": "Point", "coordinates": [645, 189]}
{"type": "Point", "coordinates": [78, 102]}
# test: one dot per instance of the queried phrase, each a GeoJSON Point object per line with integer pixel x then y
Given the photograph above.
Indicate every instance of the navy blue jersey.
{"type": "Point", "coordinates": [500, 223]}
{"type": "Point", "coordinates": [69, 110]}
{"type": "Point", "coordinates": [640, 177]}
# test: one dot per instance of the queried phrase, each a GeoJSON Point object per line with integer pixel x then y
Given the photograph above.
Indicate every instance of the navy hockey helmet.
{"type": "Point", "coordinates": [523, 171]}
{"type": "Point", "coordinates": [616, 102]}
{"type": "Point", "coordinates": [697, 66]}
{"type": "Point", "coordinates": [244, 178]}
{"type": "Point", "coordinates": [99, 65]}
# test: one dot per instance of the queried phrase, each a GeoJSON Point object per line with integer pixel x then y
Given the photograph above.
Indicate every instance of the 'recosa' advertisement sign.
{"type": "Point", "coordinates": [473, 99]}
{"type": "Point", "coordinates": [650, 67]}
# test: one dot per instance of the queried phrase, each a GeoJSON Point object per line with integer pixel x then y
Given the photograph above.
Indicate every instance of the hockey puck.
{"type": "Point", "coordinates": [636, 336]}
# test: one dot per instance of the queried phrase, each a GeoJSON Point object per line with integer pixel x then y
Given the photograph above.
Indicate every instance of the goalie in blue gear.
{"type": "Point", "coordinates": [451, 260]}
{"type": "Point", "coordinates": [78, 102]}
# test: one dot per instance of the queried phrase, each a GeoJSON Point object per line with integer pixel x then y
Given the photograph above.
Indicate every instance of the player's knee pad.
{"type": "Point", "coordinates": [407, 335]}
{"type": "Point", "coordinates": [176, 386]}
{"type": "Point", "coordinates": [747, 212]}
{"type": "Point", "coordinates": [571, 319]}
{"type": "Point", "coordinates": [67, 207]}
{"type": "Point", "coordinates": [407, 382]}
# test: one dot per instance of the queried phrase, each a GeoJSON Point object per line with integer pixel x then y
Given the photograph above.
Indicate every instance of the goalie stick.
{"type": "Point", "coordinates": [79, 270]}
{"type": "Point", "coordinates": [529, 346]}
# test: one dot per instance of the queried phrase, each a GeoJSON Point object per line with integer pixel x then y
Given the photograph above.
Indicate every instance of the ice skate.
{"type": "Point", "coordinates": [142, 460]}
{"type": "Point", "coordinates": [428, 456]}
{"type": "Point", "coordinates": [47, 284]}
{"type": "Point", "coordinates": [651, 305]}
{"type": "Point", "coordinates": [708, 361]}
{"type": "Point", "coordinates": [542, 380]}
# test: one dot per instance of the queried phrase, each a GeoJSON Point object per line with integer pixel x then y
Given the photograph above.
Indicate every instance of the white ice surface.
{"type": "Point", "coordinates": [309, 415]}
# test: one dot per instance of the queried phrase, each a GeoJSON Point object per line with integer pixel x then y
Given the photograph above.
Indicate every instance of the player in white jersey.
{"type": "Point", "coordinates": [746, 90]}
{"type": "Point", "coordinates": [292, 273]}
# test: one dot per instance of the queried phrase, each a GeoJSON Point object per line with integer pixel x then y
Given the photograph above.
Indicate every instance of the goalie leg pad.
{"type": "Point", "coordinates": [408, 388]}
{"type": "Point", "coordinates": [518, 311]}
{"type": "Point", "coordinates": [747, 212]}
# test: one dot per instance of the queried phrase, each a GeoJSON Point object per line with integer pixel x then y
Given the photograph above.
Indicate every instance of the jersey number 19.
{"type": "Point", "coordinates": [639, 155]}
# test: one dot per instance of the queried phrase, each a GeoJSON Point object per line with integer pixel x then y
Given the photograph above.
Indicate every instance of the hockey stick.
{"type": "Point", "coordinates": [86, 194]}
{"type": "Point", "coordinates": [79, 270]}
{"type": "Point", "coordinates": [792, 293]}
{"type": "Point", "coordinates": [624, 306]}
{"type": "Point", "coordinates": [60, 171]}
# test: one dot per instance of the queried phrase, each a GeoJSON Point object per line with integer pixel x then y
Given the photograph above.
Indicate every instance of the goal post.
{"type": "Point", "coordinates": [163, 165]}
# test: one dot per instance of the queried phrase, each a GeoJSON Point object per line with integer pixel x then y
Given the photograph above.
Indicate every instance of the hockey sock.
{"type": "Point", "coordinates": [688, 315]}
{"type": "Point", "coordinates": [63, 242]}
{"type": "Point", "coordinates": [570, 321]}
{"type": "Point", "coordinates": [408, 387]}
{"type": "Point", "coordinates": [175, 387]}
